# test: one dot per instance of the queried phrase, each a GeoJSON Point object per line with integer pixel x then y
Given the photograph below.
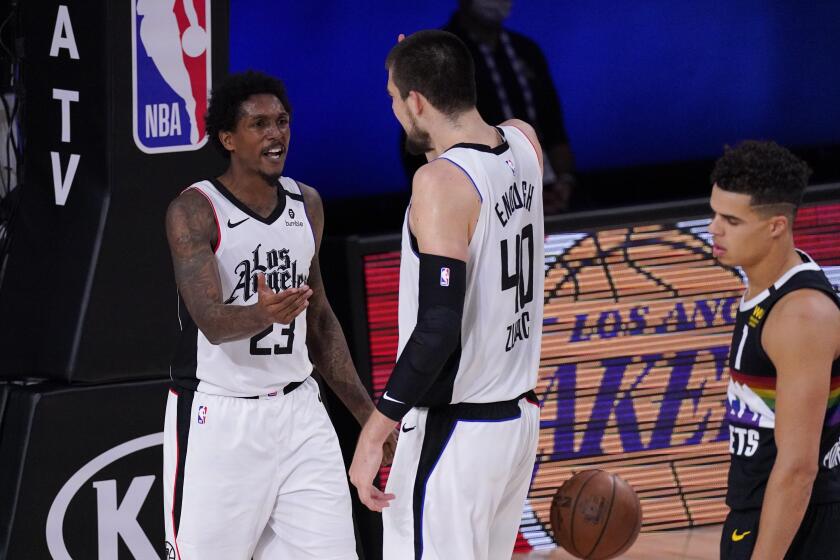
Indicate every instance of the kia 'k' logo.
{"type": "Point", "coordinates": [118, 518]}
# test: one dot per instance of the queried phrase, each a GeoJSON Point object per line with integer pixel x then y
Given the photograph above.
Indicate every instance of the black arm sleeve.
{"type": "Point", "coordinates": [437, 334]}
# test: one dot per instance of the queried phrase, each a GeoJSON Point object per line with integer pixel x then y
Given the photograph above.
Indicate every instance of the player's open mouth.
{"type": "Point", "coordinates": [275, 153]}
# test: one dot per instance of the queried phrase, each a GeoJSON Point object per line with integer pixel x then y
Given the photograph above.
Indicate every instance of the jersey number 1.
{"type": "Point", "coordinates": [524, 292]}
{"type": "Point", "coordinates": [263, 351]}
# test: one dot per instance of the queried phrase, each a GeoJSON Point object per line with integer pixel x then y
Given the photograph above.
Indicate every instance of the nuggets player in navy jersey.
{"type": "Point", "coordinates": [470, 320]}
{"type": "Point", "coordinates": [783, 402]}
{"type": "Point", "coordinates": [252, 465]}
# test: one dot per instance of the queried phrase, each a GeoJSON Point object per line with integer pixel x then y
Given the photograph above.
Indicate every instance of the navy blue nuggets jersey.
{"type": "Point", "coordinates": [751, 395]}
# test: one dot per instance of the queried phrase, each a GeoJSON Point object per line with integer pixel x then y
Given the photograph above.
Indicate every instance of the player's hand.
{"type": "Point", "coordinates": [389, 448]}
{"type": "Point", "coordinates": [366, 461]}
{"type": "Point", "coordinates": [556, 197]}
{"type": "Point", "coordinates": [378, 429]}
{"type": "Point", "coordinates": [281, 307]}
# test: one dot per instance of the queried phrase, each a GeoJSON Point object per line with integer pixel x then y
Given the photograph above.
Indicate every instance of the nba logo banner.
{"type": "Point", "coordinates": [171, 73]}
{"type": "Point", "coordinates": [444, 276]}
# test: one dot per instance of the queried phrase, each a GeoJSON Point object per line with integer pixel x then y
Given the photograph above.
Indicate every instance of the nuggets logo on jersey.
{"type": "Point", "coordinates": [171, 73]}
{"type": "Point", "coordinates": [751, 400]}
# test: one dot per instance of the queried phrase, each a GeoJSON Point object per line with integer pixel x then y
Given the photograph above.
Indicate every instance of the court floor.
{"type": "Point", "coordinates": [693, 544]}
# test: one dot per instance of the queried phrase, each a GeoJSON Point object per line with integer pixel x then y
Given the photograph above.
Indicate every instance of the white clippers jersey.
{"type": "Point", "coordinates": [501, 329]}
{"type": "Point", "coordinates": [281, 247]}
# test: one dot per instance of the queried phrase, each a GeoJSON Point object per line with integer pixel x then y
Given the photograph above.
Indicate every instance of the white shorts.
{"type": "Point", "coordinates": [254, 477]}
{"type": "Point", "coordinates": [460, 477]}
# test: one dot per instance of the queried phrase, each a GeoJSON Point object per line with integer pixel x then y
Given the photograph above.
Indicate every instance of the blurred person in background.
{"type": "Point", "coordinates": [513, 81]}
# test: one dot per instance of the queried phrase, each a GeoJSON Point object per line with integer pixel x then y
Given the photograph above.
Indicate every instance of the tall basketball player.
{"type": "Point", "coordinates": [252, 465]}
{"type": "Point", "coordinates": [783, 403]}
{"type": "Point", "coordinates": [470, 320]}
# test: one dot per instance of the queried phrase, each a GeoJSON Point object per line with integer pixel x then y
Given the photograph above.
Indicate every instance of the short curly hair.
{"type": "Point", "coordinates": [766, 171]}
{"type": "Point", "coordinates": [225, 108]}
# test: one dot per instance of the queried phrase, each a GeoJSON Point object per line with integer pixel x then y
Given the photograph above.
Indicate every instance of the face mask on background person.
{"type": "Point", "coordinates": [491, 11]}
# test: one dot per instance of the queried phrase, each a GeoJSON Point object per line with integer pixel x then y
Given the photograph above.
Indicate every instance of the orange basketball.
{"type": "Point", "coordinates": [596, 515]}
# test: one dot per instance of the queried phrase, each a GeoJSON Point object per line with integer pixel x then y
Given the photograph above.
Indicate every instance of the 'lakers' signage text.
{"type": "Point", "coordinates": [640, 320]}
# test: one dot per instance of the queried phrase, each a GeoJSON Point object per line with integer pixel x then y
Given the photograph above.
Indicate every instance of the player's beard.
{"type": "Point", "coordinates": [270, 178]}
{"type": "Point", "coordinates": [417, 140]}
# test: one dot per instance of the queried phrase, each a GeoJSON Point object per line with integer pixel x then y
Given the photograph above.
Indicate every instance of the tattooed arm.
{"type": "Point", "coordinates": [325, 339]}
{"type": "Point", "coordinates": [192, 233]}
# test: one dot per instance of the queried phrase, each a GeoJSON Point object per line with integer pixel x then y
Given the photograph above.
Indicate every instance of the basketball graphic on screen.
{"type": "Point", "coordinates": [635, 263]}
{"type": "Point", "coordinates": [596, 515]}
{"type": "Point", "coordinates": [636, 332]}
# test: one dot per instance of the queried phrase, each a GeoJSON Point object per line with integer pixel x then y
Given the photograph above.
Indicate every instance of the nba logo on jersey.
{"type": "Point", "coordinates": [202, 414]}
{"type": "Point", "coordinates": [444, 276]}
{"type": "Point", "coordinates": [171, 73]}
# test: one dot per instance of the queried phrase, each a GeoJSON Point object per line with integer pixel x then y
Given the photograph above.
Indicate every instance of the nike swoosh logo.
{"type": "Point", "coordinates": [736, 537]}
{"type": "Point", "coordinates": [404, 429]}
{"type": "Point", "coordinates": [233, 225]}
{"type": "Point", "coordinates": [387, 398]}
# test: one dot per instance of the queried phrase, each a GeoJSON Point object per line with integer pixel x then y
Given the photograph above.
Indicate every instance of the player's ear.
{"type": "Point", "coordinates": [226, 138]}
{"type": "Point", "coordinates": [416, 102]}
{"type": "Point", "coordinates": [779, 225]}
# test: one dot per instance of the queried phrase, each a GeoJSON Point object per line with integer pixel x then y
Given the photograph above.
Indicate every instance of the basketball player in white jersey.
{"type": "Point", "coordinates": [252, 466]}
{"type": "Point", "coordinates": [470, 320]}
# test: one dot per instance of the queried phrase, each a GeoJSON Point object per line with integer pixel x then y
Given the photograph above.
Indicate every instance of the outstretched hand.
{"type": "Point", "coordinates": [284, 306]}
{"type": "Point", "coordinates": [366, 462]}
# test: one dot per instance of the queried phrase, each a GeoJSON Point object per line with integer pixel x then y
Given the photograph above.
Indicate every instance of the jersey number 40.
{"type": "Point", "coordinates": [524, 288]}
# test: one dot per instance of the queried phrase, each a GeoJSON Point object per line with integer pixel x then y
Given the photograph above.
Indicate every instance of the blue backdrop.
{"type": "Point", "coordinates": [641, 82]}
